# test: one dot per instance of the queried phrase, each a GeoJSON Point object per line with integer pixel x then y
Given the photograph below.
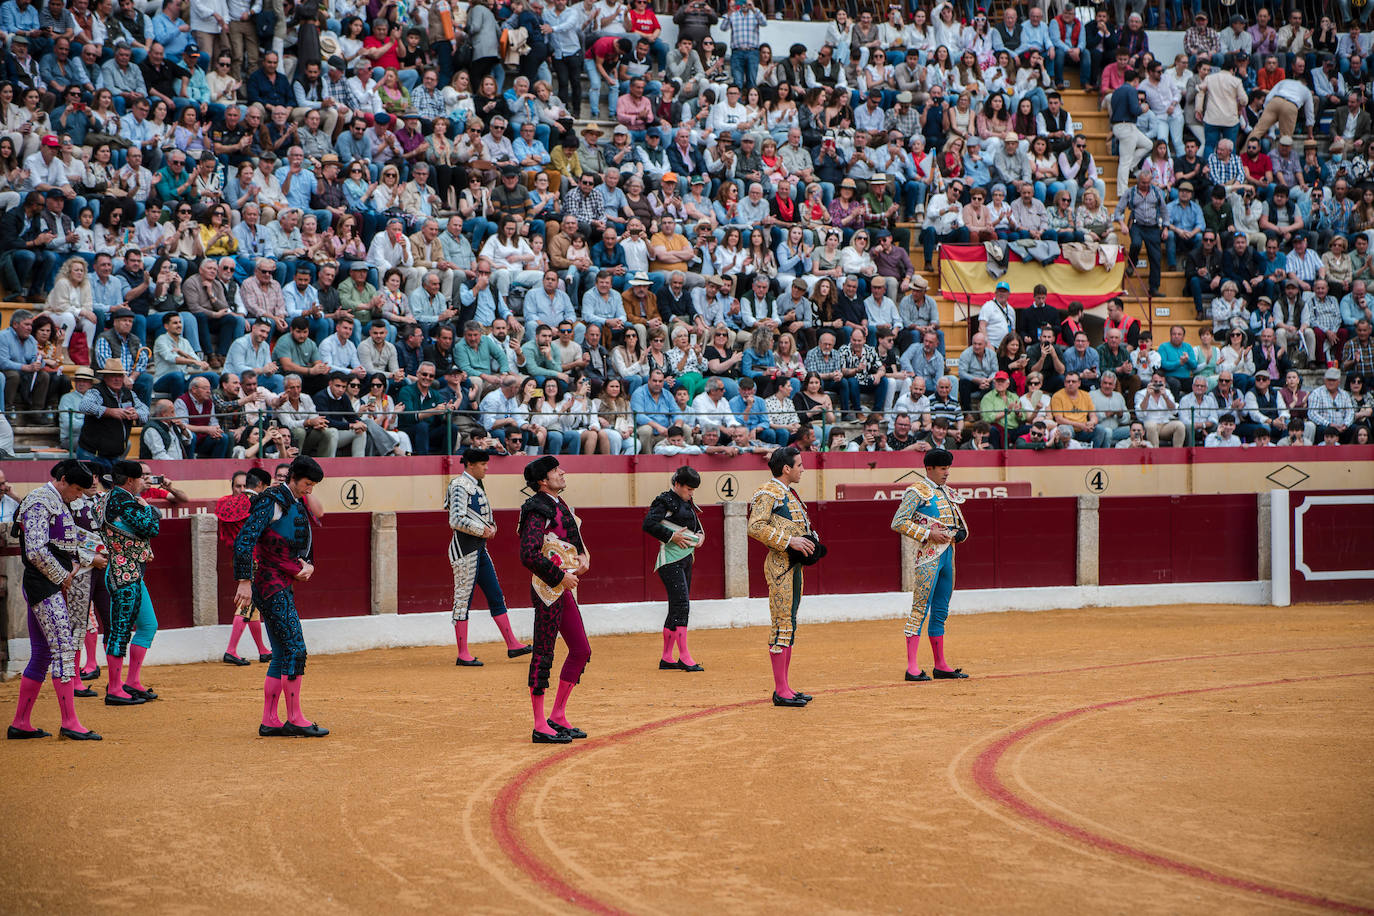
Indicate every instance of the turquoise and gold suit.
{"type": "Point", "coordinates": [927, 507]}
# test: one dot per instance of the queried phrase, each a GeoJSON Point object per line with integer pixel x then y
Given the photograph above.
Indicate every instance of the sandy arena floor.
{"type": "Point", "coordinates": [1151, 760]}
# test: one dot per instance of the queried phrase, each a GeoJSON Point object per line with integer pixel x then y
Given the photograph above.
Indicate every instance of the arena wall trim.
{"type": "Point", "coordinates": [333, 635]}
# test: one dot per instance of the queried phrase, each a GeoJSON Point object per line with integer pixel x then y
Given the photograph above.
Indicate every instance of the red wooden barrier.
{"type": "Point", "coordinates": [1149, 539]}
{"type": "Point", "coordinates": [170, 583]}
{"type": "Point", "coordinates": [622, 560]}
{"type": "Point", "coordinates": [342, 584]}
{"type": "Point", "coordinates": [1331, 536]}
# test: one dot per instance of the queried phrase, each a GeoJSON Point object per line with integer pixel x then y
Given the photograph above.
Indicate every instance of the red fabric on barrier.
{"type": "Point", "coordinates": [170, 587]}
{"type": "Point", "coordinates": [342, 584]}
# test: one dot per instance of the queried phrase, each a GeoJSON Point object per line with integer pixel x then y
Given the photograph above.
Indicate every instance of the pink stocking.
{"type": "Point", "coordinates": [502, 622]}
{"type": "Point", "coordinates": [560, 703]}
{"type": "Point", "coordinates": [114, 687]}
{"type": "Point", "coordinates": [684, 654]}
{"type": "Point", "coordinates": [66, 702]}
{"type": "Point", "coordinates": [292, 688]}
{"type": "Point", "coordinates": [89, 646]}
{"type": "Point", "coordinates": [136, 654]}
{"type": "Point", "coordinates": [541, 724]}
{"type": "Point", "coordinates": [460, 633]}
{"type": "Point", "coordinates": [937, 645]}
{"type": "Point", "coordinates": [271, 693]}
{"type": "Point", "coordinates": [779, 660]}
{"type": "Point", "coordinates": [28, 695]}
{"type": "Point", "coordinates": [255, 628]}
{"type": "Point", "coordinates": [669, 638]}
{"type": "Point", "coordinates": [235, 634]}
{"type": "Point", "coordinates": [913, 646]}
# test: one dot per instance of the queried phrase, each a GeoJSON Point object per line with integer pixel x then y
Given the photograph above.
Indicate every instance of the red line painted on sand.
{"type": "Point", "coordinates": [985, 775]}
{"type": "Point", "coordinates": [507, 800]}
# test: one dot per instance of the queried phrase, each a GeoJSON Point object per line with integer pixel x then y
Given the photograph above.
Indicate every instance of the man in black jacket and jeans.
{"type": "Point", "coordinates": [24, 255]}
{"type": "Point", "coordinates": [112, 409]}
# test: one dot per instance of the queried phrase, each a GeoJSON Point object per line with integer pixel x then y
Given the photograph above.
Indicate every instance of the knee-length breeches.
{"type": "Point", "coordinates": [784, 597]}
{"type": "Point", "coordinates": [284, 632]}
{"type": "Point", "coordinates": [563, 616]}
{"type": "Point", "coordinates": [476, 569]}
{"type": "Point", "coordinates": [53, 639]}
{"type": "Point", "coordinates": [677, 579]}
{"type": "Point", "coordinates": [930, 597]}
{"type": "Point", "coordinates": [131, 619]}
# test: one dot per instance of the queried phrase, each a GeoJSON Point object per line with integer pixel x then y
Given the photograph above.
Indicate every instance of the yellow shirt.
{"type": "Point", "coordinates": [1075, 409]}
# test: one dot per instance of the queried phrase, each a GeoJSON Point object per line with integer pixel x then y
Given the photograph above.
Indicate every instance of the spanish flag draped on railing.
{"type": "Point", "coordinates": [964, 278]}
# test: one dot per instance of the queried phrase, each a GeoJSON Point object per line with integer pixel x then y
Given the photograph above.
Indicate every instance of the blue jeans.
{"type": "Point", "coordinates": [1211, 134]}
{"type": "Point", "coordinates": [594, 85]}
{"type": "Point", "coordinates": [743, 65]}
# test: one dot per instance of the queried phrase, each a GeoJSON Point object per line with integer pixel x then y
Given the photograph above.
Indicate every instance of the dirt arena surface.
{"type": "Point", "coordinates": [1145, 760]}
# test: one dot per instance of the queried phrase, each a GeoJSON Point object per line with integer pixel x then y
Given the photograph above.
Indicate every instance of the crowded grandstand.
{"type": "Point", "coordinates": [255, 230]}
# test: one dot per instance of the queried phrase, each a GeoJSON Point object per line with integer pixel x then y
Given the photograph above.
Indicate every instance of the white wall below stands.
{"type": "Point", "coordinates": [389, 631]}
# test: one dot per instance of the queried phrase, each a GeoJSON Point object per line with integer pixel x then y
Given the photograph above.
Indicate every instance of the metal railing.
{"type": "Point", "coordinates": [1011, 435]}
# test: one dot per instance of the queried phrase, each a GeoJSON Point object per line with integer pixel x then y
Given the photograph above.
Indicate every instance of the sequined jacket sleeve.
{"type": "Point", "coordinates": [461, 516]}
{"type": "Point", "coordinates": [259, 517]}
{"type": "Point", "coordinates": [763, 527]}
{"type": "Point", "coordinates": [533, 525]}
{"type": "Point", "coordinates": [909, 520]}
{"type": "Point", "coordinates": [663, 506]}
{"type": "Point", "coordinates": [36, 517]}
{"type": "Point", "coordinates": [142, 521]}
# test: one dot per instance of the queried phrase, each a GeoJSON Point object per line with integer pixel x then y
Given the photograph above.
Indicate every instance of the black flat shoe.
{"type": "Point", "coordinates": [956, 674]}
{"type": "Point", "coordinates": [264, 658]}
{"type": "Point", "coordinates": [516, 653]}
{"type": "Point", "coordinates": [787, 701]}
{"type": "Point", "coordinates": [568, 730]}
{"type": "Point", "coordinates": [79, 736]}
{"type": "Point", "coordinates": [538, 737]}
{"type": "Point", "coordinates": [304, 731]}
{"type": "Point", "coordinates": [20, 734]}
{"type": "Point", "coordinates": [231, 659]}
{"type": "Point", "coordinates": [919, 676]}
{"type": "Point", "coordinates": [146, 692]}
{"type": "Point", "coordinates": [85, 692]}
{"type": "Point", "coordinates": [91, 675]}
{"type": "Point", "coordinates": [805, 696]}
{"type": "Point", "coordinates": [123, 701]}
{"type": "Point", "coordinates": [671, 666]}
{"type": "Point", "coordinates": [272, 731]}
{"type": "Point", "coordinates": [469, 663]}
{"type": "Point", "coordinates": [696, 666]}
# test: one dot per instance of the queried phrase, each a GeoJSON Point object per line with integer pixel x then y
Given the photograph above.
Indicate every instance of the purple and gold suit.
{"type": "Point", "coordinates": [541, 515]}
{"type": "Point", "coordinates": [51, 542]}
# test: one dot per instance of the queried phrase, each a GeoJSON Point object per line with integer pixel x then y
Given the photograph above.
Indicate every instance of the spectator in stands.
{"type": "Point", "coordinates": [1331, 407]}
{"type": "Point", "coordinates": [977, 366]}
{"type": "Point", "coordinates": [1073, 408]}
